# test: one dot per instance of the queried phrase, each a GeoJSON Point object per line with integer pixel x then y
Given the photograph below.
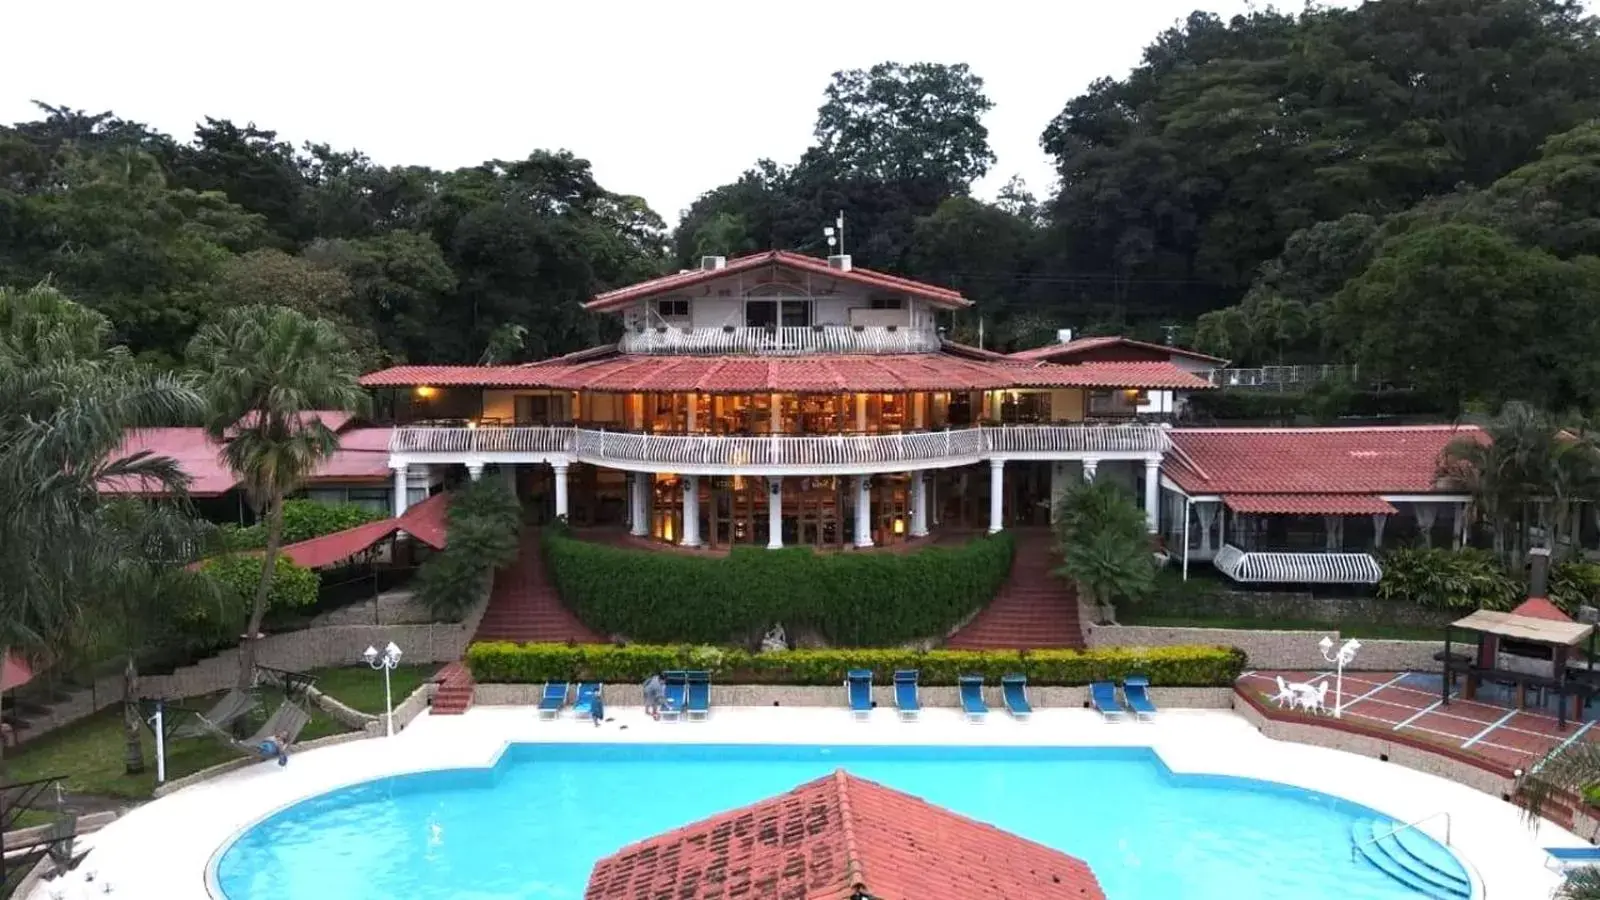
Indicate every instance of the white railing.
{"type": "Point", "coordinates": [1297, 568]}
{"type": "Point", "coordinates": [745, 451]}
{"type": "Point", "coordinates": [870, 339]}
{"type": "Point", "coordinates": [1283, 377]}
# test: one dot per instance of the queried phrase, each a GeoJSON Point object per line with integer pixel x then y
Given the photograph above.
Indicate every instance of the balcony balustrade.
{"type": "Point", "coordinates": [744, 452]}
{"type": "Point", "coordinates": [780, 341]}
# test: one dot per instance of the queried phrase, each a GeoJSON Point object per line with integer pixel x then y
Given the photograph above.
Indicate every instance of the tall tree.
{"type": "Point", "coordinates": [267, 372]}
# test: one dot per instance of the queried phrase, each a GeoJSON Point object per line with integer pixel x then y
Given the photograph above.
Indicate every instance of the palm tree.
{"type": "Point", "coordinates": [268, 370]}
{"type": "Point", "coordinates": [1567, 770]}
{"type": "Point", "coordinates": [1105, 549]}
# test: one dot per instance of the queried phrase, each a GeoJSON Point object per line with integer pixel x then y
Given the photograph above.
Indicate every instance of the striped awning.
{"type": "Point", "coordinates": [1297, 568]}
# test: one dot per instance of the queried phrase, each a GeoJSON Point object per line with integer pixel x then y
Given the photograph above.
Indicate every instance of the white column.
{"type": "Point", "coordinates": [689, 412]}
{"type": "Point", "coordinates": [775, 513]}
{"type": "Point", "coordinates": [918, 412]}
{"type": "Point", "coordinates": [919, 504]}
{"type": "Point", "coordinates": [640, 499]}
{"type": "Point", "coordinates": [997, 489]}
{"type": "Point", "coordinates": [400, 491]}
{"type": "Point", "coordinates": [863, 511]}
{"type": "Point", "coordinates": [861, 412]}
{"type": "Point", "coordinates": [691, 511]}
{"type": "Point", "coordinates": [475, 471]}
{"type": "Point", "coordinates": [1152, 494]}
{"type": "Point", "coordinates": [1090, 464]}
{"type": "Point", "coordinates": [561, 489]}
{"type": "Point", "coordinates": [1058, 486]}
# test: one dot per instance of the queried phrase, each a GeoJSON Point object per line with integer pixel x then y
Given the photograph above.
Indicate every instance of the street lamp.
{"type": "Point", "coordinates": [387, 660]}
{"type": "Point", "coordinates": [1346, 654]}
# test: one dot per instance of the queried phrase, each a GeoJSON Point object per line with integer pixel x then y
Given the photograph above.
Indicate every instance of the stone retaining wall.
{"type": "Point", "coordinates": [1273, 649]}
{"type": "Point", "coordinates": [1292, 606]}
{"type": "Point", "coordinates": [397, 607]}
{"type": "Point", "coordinates": [882, 695]}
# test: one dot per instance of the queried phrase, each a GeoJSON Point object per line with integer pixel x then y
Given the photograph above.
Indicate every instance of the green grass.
{"type": "Point", "coordinates": [90, 753]}
{"type": "Point", "coordinates": [1372, 631]}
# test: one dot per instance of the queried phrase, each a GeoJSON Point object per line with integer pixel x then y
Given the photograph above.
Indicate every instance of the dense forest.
{"type": "Point", "coordinates": [1413, 185]}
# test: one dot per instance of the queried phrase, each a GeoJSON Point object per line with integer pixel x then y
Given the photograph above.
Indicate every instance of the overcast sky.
{"type": "Point", "coordinates": [666, 99]}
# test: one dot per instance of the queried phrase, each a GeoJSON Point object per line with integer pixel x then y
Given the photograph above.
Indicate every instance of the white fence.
{"type": "Point", "coordinates": [1283, 378]}
{"type": "Point", "coordinates": [746, 451]}
{"type": "Point", "coordinates": [781, 341]}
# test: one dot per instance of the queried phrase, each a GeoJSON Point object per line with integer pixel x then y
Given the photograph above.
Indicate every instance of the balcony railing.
{"type": "Point", "coordinates": [744, 451]}
{"type": "Point", "coordinates": [780, 341]}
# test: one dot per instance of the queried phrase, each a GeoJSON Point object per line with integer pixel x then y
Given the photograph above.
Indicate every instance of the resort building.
{"type": "Point", "coordinates": [780, 399]}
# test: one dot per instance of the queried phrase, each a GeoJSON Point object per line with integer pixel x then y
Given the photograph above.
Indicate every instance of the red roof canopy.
{"type": "Point", "coordinates": [1060, 352]}
{"type": "Point", "coordinates": [775, 259]}
{"type": "Point", "coordinates": [1309, 504]}
{"type": "Point", "coordinates": [623, 373]}
{"type": "Point", "coordinates": [425, 522]}
{"type": "Point", "coordinates": [363, 455]}
{"type": "Point", "coordinates": [836, 837]}
{"type": "Point", "coordinates": [1541, 608]}
{"type": "Point", "coordinates": [1312, 461]}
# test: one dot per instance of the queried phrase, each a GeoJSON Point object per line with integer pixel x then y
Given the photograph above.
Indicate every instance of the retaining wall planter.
{"type": "Point", "coordinates": [1273, 649]}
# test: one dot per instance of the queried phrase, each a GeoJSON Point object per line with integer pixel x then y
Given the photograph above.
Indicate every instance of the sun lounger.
{"type": "Point", "coordinates": [905, 694]}
{"type": "Point", "coordinates": [1103, 697]}
{"type": "Point", "coordinates": [553, 699]}
{"type": "Point", "coordinates": [1014, 689]}
{"type": "Point", "coordinates": [583, 705]}
{"type": "Point", "coordinates": [858, 692]}
{"type": "Point", "coordinates": [698, 695]}
{"type": "Point", "coordinates": [674, 694]}
{"type": "Point", "coordinates": [1573, 857]}
{"type": "Point", "coordinates": [972, 698]}
{"type": "Point", "coordinates": [1136, 690]}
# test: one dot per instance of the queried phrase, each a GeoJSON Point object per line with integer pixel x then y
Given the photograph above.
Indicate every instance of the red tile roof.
{"type": "Point", "coordinates": [837, 838]}
{"type": "Point", "coordinates": [1308, 504]}
{"type": "Point", "coordinates": [1541, 608]}
{"type": "Point", "coordinates": [1374, 461]}
{"type": "Point", "coordinates": [1058, 351]}
{"type": "Point", "coordinates": [425, 522]}
{"type": "Point", "coordinates": [363, 455]}
{"type": "Point", "coordinates": [830, 373]}
{"type": "Point", "coordinates": [776, 259]}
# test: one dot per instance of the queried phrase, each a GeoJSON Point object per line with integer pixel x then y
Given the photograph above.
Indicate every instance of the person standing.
{"type": "Point", "coordinates": [654, 690]}
{"type": "Point", "coordinates": [597, 709]}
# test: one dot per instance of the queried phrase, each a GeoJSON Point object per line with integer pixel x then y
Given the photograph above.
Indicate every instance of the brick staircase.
{"type": "Point", "coordinates": [454, 696]}
{"type": "Point", "coordinates": [523, 606]}
{"type": "Point", "coordinates": [1033, 610]}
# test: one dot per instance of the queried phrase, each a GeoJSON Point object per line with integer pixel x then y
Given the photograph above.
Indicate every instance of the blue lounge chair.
{"type": "Point", "coordinates": [553, 699]}
{"type": "Point", "coordinates": [1103, 697]}
{"type": "Point", "coordinates": [698, 694]}
{"type": "Point", "coordinates": [674, 694]}
{"type": "Point", "coordinates": [1573, 857]}
{"type": "Point", "coordinates": [1014, 689]}
{"type": "Point", "coordinates": [583, 706]}
{"type": "Point", "coordinates": [972, 698]}
{"type": "Point", "coordinates": [858, 691]}
{"type": "Point", "coordinates": [905, 694]}
{"type": "Point", "coordinates": [1136, 690]}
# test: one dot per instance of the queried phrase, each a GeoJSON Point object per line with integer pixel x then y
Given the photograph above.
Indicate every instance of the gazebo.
{"type": "Point", "coordinates": [1531, 646]}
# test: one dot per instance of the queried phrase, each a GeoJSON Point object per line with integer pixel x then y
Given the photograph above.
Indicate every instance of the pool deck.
{"type": "Point", "coordinates": [165, 848]}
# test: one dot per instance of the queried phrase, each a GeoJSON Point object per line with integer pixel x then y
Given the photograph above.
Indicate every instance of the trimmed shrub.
{"type": "Point", "coordinates": [855, 599]}
{"type": "Point", "coordinates": [240, 574]}
{"type": "Point", "coordinates": [1574, 584]}
{"type": "Point", "coordinates": [302, 521]}
{"type": "Point", "coordinates": [1448, 579]}
{"type": "Point", "coordinates": [504, 662]}
{"type": "Point", "coordinates": [484, 522]}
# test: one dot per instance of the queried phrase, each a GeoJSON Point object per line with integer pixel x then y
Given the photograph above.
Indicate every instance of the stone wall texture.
{"type": "Point", "coordinates": [1274, 649]}
{"type": "Point", "coordinates": [1294, 606]}
{"type": "Point", "coordinates": [396, 607]}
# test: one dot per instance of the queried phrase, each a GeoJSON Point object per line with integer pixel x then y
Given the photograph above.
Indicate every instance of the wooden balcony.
{"type": "Point", "coordinates": [780, 341]}
{"type": "Point", "coordinates": [754, 454]}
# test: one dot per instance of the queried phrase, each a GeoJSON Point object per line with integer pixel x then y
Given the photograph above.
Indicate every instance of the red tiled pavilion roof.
{"type": "Point", "coordinates": [833, 373]}
{"type": "Point", "coordinates": [1058, 351]}
{"type": "Point", "coordinates": [425, 522]}
{"type": "Point", "coordinates": [1541, 608]}
{"type": "Point", "coordinates": [1308, 504]}
{"type": "Point", "coordinates": [777, 259]}
{"type": "Point", "coordinates": [836, 838]}
{"type": "Point", "coordinates": [1312, 461]}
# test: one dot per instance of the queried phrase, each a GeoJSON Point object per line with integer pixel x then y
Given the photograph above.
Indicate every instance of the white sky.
{"type": "Point", "coordinates": [666, 99]}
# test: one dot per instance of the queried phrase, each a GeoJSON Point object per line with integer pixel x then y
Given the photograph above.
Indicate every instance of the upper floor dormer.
{"type": "Point", "coordinates": [779, 303]}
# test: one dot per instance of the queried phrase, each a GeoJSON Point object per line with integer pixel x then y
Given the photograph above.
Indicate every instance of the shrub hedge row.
{"type": "Point", "coordinates": [501, 662]}
{"type": "Point", "coordinates": [854, 599]}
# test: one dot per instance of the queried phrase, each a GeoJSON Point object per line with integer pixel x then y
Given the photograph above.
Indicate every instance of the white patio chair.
{"type": "Point", "coordinates": [1285, 693]}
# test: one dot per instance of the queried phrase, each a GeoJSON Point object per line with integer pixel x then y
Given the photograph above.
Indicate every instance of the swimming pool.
{"type": "Point", "coordinates": [531, 827]}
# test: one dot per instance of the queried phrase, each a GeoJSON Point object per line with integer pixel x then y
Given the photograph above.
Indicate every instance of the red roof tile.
{"type": "Point", "coordinates": [1541, 608]}
{"type": "Point", "coordinates": [777, 259]}
{"type": "Point", "coordinates": [1308, 504]}
{"type": "Point", "coordinates": [1384, 460]}
{"type": "Point", "coordinates": [830, 373]}
{"type": "Point", "coordinates": [363, 455]}
{"type": "Point", "coordinates": [836, 838]}
{"type": "Point", "coordinates": [1059, 352]}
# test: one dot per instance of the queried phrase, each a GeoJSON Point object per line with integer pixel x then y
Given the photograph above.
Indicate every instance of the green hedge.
{"type": "Point", "coordinates": [854, 599]}
{"type": "Point", "coordinates": [503, 662]}
{"type": "Point", "coordinates": [484, 523]}
{"type": "Point", "coordinates": [302, 521]}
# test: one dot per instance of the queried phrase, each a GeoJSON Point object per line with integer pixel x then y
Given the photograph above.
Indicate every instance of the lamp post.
{"type": "Point", "coordinates": [1346, 655]}
{"type": "Point", "coordinates": [387, 660]}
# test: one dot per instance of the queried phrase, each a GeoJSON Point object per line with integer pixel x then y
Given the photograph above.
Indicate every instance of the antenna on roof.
{"type": "Point", "coordinates": [835, 238]}
{"type": "Point", "coordinates": [1170, 331]}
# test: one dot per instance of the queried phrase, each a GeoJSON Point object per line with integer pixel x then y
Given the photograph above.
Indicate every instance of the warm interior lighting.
{"type": "Point", "coordinates": [899, 525]}
{"type": "Point", "coordinates": [424, 392]}
{"type": "Point", "coordinates": [472, 423]}
{"type": "Point", "coordinates": [666, 530]}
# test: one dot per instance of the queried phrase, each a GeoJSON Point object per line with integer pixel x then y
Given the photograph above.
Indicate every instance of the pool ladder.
{"type": "Point", "coordinates": [1355, 847]}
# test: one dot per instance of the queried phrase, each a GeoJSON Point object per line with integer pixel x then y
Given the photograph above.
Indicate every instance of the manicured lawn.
{"type": "Point", "coordinates": [90, 753]}
{"type": "Point", "coordinates": [1345, 629]}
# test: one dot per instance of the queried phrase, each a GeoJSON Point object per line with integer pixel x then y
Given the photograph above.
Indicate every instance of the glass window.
{"type": "Point", "coordinates": [374, 499]}
{"type": "Point", "coordinates": [761, 313]}
{"type": "Point", "coordinates": [796, 313]}
{"type": "Point", "coordinates": [888, 303]}
{"type": "Point", "coordinates": [672, 309]}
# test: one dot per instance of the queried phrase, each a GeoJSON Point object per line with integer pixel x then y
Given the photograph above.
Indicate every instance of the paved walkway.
{"type": "Point", "coordinates": [523, 606]}
{"type": "Point", "coordinates": [1033, 610]}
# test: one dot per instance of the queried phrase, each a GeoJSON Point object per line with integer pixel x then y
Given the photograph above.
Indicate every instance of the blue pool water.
{"type": "Point", "coordinates": [532, 826]}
